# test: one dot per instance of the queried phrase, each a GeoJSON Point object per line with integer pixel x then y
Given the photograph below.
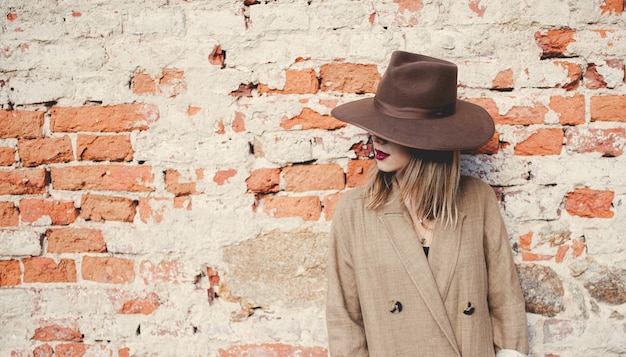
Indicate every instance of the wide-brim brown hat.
{"type": "Point", "coordinates": [416, 105]}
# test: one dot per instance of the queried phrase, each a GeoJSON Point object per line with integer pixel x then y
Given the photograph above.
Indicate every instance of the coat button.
{"type": "Point", "coordinates": [469, 309]}
{"type": "Point", "coordinates": [395, 307]}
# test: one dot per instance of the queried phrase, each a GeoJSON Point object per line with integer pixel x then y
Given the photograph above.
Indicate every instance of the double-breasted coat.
{"type": "Point", "coordinates": [387, 298]}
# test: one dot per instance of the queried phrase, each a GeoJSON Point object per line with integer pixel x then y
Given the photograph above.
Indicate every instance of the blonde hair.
{"type": "Point", "coordinates": [430, 184]}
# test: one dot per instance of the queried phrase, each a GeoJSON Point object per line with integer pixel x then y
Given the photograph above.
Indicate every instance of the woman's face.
{"type": "Point", "coordinates": [390, 157]}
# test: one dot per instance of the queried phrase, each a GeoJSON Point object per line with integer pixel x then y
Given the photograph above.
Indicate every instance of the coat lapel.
{"type": "Point", "coordinates": [431, 283]}
{"type": "Point", "coordinates": [444, 254]}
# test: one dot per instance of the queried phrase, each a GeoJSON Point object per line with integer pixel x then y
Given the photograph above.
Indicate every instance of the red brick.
{"type": "Point", "coordinates": [168, 271]}
{"type": "Point", "coordinates": [244, 90]}
{"type": "Point", "coordinates": [21, 124]}
{"type": "Point", "coordinates": [70, 350]}
{"type": "Point", "coordinates": [518, 115]}
{"type": "Point", "coordinates": [571, 110]}
{"type": "Point", "coordinates": [23, 182]}
{"type": "Point", "coordinates": [560, 253]}
{"type": "Point", "coordinates": [35, 152]}
{"type": "Point", "coordinates": [612, 7]}
{"type": "Point", "coordinates": [58, 331]}
{"type": "Point", "coordinates": [104, 147]}
{"type": "Point", "coordinates": [608, 142]}
{"type": "Point", "coordinates": [410, 5]}
{"type": "Point", "coordinates": [143, 84]}
{"type": "Point", "coordinates": [303, 81]}
{"type": "Point", "coordinates": [10, 273]}
{"type": "Point", "coordinates": [490, 148]}
{"type": "Point", "coordinates": [9, 214]}
{"type": "Point", "coordinates": [46, 270]}
{"type": "Point", "coordinates": [296, 82]}
{"type": "Point", "coordinates": [585, 202]}
{"type": "Point", "coordinates": [543, 142]}
{"type": "Point", "coordinates": [44, 350]}
{"type": "Point", "coordinates": [171, 76]}
{"type": "Point", "coordinates": [180, 185]}
{"type": "Point", "coordinates": [217, 56]}
{"type": "Point", "coordinates": [330, 202]}
{"type": "Point", "coordinates": [578, 248]}
{"type": "Point", "coordinates": [372, 18]}
{"type": "Point", "coordinates": [503, 80]}
{"type": "Point", "coordinates": [310, 119]}
{"type": "Point", "coordinates": [474, 5]}
{"type": "Point", "coordinates": [593, 79]}
{"type": "Point", "coordinates": [264, 181]}
{"type": "Point", "coordinates": [222, 176]}
{"type": "Point", "coordinates": [75, 240]}
{"type": "Point", "coordinates": [554, 42]}
{"type": "Point", "coordinates": [116, 118]}
{"type": "Point", "coordinates": [349, 77]}
{"type": "Point", "coordinates": [239, 124]}
{"type": "Point", "coordinates": [525, 241]}
{"type": "Point", "coordinates": [300, 178]}
{"type": "Point", "coordinates": [608, 108]}
{"type": "Point", "coordinates": [616, 64]}
{"type": "Point", "coordinates": [213, 277]}
{"type": "Point", "coordinates": [7, 156]}
{"type": "Point", "coordinates": [39, 211]}
{"type": "Point", "coordinates": [574, 74]}
{"type": "Point", "coordinates": [107, 208]}
{"type": "Point", "coordinates": [183, 202]}
{"type": "Point", "coordinates": [307, 207]}
{"type": "Point", "coordinates": [329, 103]}
{"type": "Point", "coordinates": [191, 111]}
{"type": "Point", "coordinates": [152, 207]}
{"type": "Point", "coordinates": [123, 352]}
{"type": "Point", "coordinates": [170, 83]}
{"type": "Point", "coordinates": [358, 172]}
{"type": "Point", "coordinates": [531, 257]}
{"type": "Point", "coordinates": [113, 177]}
{"type": "Point", "coordinates": [220, 127]}
{"type": "Point", "coordinates": [273, 350]}
{"type": "Point", "coordinates": [143, 305]}
{"type": "Point", "coordinates": [363, 149]}
{"type": "Point", "coordinates": [108, 270]}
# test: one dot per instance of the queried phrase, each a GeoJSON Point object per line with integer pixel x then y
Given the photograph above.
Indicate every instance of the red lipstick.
{"type": "Point", "coordinates": [381, 155]}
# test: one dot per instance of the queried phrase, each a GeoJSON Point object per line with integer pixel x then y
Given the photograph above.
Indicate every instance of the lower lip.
{"type": "Point", "coordinates": [381, 156]}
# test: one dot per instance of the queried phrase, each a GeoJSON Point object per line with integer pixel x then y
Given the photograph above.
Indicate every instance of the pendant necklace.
{"type": "Point", "coordinates": [427, 229]}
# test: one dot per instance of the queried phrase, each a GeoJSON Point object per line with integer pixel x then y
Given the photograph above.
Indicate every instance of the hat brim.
{"type": "Point", "coordinates": [468, 128]}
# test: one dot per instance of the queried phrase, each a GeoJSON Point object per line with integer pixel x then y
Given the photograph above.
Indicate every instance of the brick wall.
{"type": "Point", "coordinates": [169, 169]}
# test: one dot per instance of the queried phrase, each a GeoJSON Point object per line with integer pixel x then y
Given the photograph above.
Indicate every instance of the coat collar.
{"type": "Point", "coordinates": [432, 276]}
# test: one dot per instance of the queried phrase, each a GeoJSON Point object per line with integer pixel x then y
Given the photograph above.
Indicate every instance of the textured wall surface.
{"type": "Point", "coordinates": [169, 168]}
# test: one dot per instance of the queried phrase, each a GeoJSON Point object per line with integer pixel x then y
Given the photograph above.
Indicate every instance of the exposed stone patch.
{"type": "Point", "coordinates": [286, 267]}
{"type": "Point", "coordinates": [543, 289]}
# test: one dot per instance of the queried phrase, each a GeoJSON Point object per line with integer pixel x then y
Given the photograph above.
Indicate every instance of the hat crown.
{"type": "Point", "coordinates": [415, 82]}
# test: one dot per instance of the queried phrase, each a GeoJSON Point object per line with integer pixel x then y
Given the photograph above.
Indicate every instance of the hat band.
{"type": "Point", "coordinates": [413, 112]}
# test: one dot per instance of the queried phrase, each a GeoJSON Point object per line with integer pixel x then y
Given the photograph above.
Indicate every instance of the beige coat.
{"type": "Point", "coordinates": [376, 264]}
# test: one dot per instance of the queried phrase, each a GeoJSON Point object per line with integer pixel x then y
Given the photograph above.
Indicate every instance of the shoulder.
{"type": "Point", "coordinates": [470, 183]}
{"type": "Point", "coordinates": [352, 200]}
{"type": "Point", "coordinates": [475, 190]}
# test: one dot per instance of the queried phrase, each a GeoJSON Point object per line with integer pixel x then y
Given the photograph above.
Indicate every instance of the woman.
{"type": "Point", "coordinates": [420, 263]}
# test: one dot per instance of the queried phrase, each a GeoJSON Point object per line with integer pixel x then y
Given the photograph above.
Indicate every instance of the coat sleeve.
{"type": "Point", "coordinates": [506, 301]}
{"type": "Point", "coordinates": [346, 334]}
